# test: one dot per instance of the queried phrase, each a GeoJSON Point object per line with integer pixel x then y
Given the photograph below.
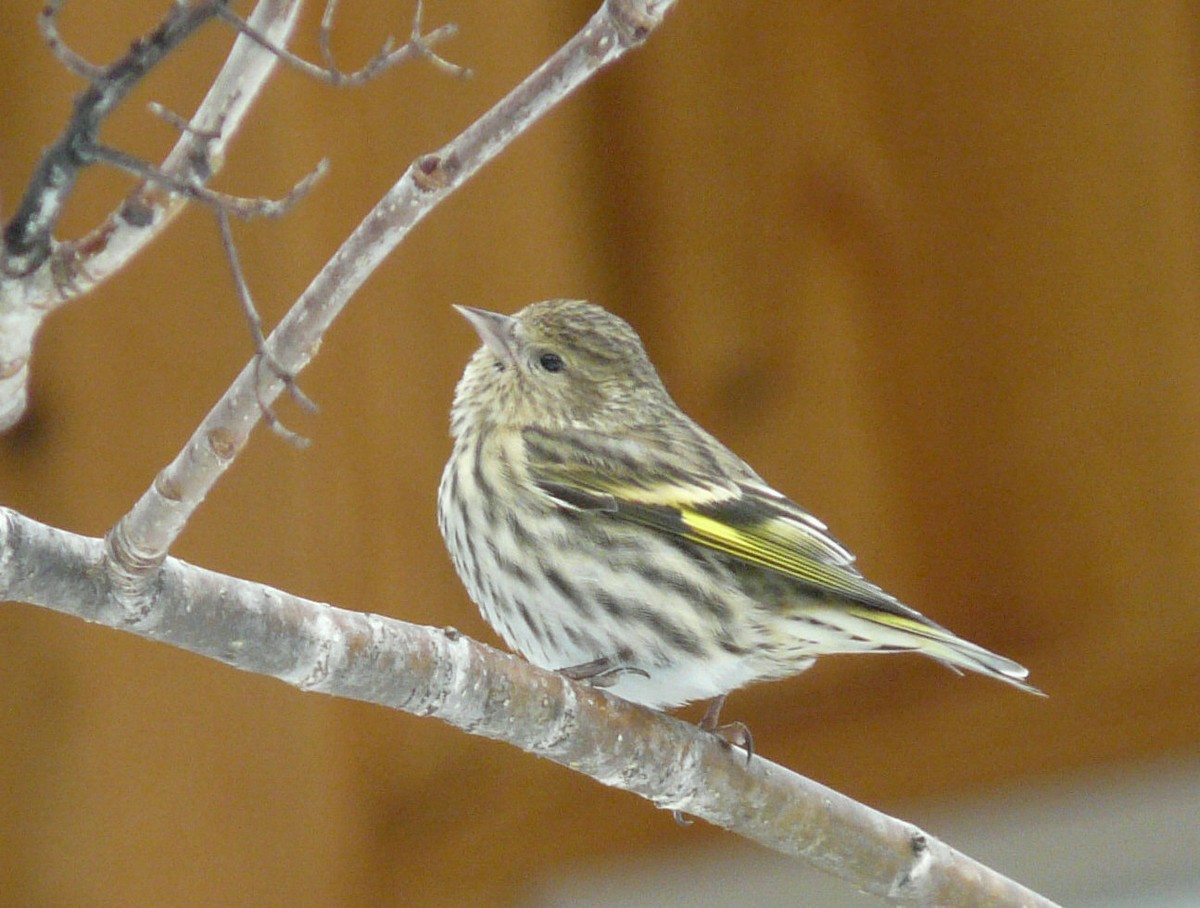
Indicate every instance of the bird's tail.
{"type": "Point", "coordinates": [917, 634]}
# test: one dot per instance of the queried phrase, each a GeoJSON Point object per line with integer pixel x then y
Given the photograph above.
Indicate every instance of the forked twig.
{"type": "Point", "coordinates": [38, 274]}
{"type": "Point", "coordinates": [28, 236]}
{"type": "Point", "coordinates": [241, 206]}
{"type": "Point", "coordinates": [418, 45]}
{"type": "Point", "coordinates": [254, 320]}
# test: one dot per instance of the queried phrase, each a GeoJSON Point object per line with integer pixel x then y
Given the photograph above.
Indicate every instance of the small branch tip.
{"type": "Point", "coordinates": [385, 58]}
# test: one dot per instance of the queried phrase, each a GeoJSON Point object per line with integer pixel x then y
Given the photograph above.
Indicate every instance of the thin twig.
{"type": "Point", "coordinates": [48, 26]}
{"type": "Point", "coordinates": [325, 37]}
{"type": "Point", "coordinates": [221, 208]}
{"type": "Point", "coordinates": [181, 124]}
{"type": "Point", "coordinates": [418, 45]}
{"type": "Point", "coordinates": [260, 342]}
{"type": "Point", "coordinates": [240, 206]}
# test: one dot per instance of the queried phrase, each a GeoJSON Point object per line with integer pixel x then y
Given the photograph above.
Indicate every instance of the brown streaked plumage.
{"type": "Point", "coordinates": [602, 532]}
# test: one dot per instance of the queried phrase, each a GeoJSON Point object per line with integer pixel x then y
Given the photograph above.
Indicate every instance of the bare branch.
{"type": "Point", "coordinates": [29, 293]}
{"type": "Point", "coordinates": [141, 539]}
{"type": "Point", "coordinates": [241, 206]}
{"type": "Point", "coordinates": [200, 150]}
{"type": "Point", "coordinates": [28, 236]}
{"type": "Point", "coordinates": [418, 45]}
{"type": "Point", "coordinates": [432, 672]}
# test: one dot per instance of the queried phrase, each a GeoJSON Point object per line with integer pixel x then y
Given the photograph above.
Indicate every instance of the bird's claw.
{"type": "Point", "coordinates": [603, 672]}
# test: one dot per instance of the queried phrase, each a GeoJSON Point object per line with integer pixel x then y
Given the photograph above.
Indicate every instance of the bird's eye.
{"type": "Point", "coordinates": [551, 362]}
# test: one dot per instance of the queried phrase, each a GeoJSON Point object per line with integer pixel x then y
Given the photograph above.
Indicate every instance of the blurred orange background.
{"type": "Point", "coordinates": [933, 269]}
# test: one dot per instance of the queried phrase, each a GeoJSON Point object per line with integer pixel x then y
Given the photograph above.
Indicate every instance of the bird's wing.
{"type": "Point", "coordinates": [743, 519]}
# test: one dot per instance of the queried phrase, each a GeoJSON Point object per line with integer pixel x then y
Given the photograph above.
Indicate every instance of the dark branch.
{"type": "Point", "coordinates": [28, 236]}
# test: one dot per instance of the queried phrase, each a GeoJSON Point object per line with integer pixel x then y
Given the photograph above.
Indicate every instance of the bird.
{"type": "Point", "coordinates": [605, 535]}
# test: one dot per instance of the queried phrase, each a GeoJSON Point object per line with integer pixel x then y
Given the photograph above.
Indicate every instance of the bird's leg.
{"type": "Point", "coordinates": [603, 672]}
{"type": "Point", "coordinates": [732, 733]}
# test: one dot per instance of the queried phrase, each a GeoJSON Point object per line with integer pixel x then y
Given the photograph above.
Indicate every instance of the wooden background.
{"type": "Point", "coordinates": [934, 269]}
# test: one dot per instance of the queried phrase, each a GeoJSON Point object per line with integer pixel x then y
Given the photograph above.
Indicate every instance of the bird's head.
{"type": "Point", "coordinates": [556, 364]}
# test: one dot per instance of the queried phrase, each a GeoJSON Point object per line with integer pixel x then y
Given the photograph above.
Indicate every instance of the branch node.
{"type": "Point", "coordinates": [433, 172]}
{"type": "Point", "coordinates": [423, 44]}
{"type": "Point", "coordinates": [167, 487]}
{"type": "Point", "coordinates": [293, 388]}
{"type": "Point", "coordinates": [635, 19]}
{"type": "Point", "coordinates": [910, 879]}
{"type": "Point", "coordinates": [222, 443]}
{"type": "Point", "coordinates": [136, 212]}
{"type": "Point", "coordinates": [132, 571]}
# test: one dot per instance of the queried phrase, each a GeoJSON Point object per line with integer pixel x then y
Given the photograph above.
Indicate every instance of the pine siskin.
{"type": "Point", "coordinates": [604, 534]}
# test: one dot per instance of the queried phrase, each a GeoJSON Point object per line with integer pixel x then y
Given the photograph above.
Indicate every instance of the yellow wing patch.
{"type": "Point", "coordinates": [778, 546]}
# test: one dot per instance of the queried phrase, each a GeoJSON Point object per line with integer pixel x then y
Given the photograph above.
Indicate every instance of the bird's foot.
{"type": "Point", "coordinates": [603, 672]}
{"type": "Point", "coordinates": [731, 734]}
{"type": "Point", "coordinates": [735, 734]}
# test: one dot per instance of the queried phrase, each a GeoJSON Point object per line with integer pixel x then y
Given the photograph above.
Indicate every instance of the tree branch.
{"type": "Point", "coordinates": [28, 236]}
{"type": "Point", "coordinates": [433, 672]}
{"type": "Point", "coordinates": [36, 276]}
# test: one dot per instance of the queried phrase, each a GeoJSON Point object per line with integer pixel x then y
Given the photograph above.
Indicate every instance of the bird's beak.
{"type": "Point", "coordinates": [495, 330]}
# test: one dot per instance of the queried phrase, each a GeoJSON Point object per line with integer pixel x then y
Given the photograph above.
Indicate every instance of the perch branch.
{"type": "Point", "coordinates": [433, 672]}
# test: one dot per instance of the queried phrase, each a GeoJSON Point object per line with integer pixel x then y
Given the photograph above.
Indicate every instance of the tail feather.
{"type": "Point", "coordinates": [934, 641]}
